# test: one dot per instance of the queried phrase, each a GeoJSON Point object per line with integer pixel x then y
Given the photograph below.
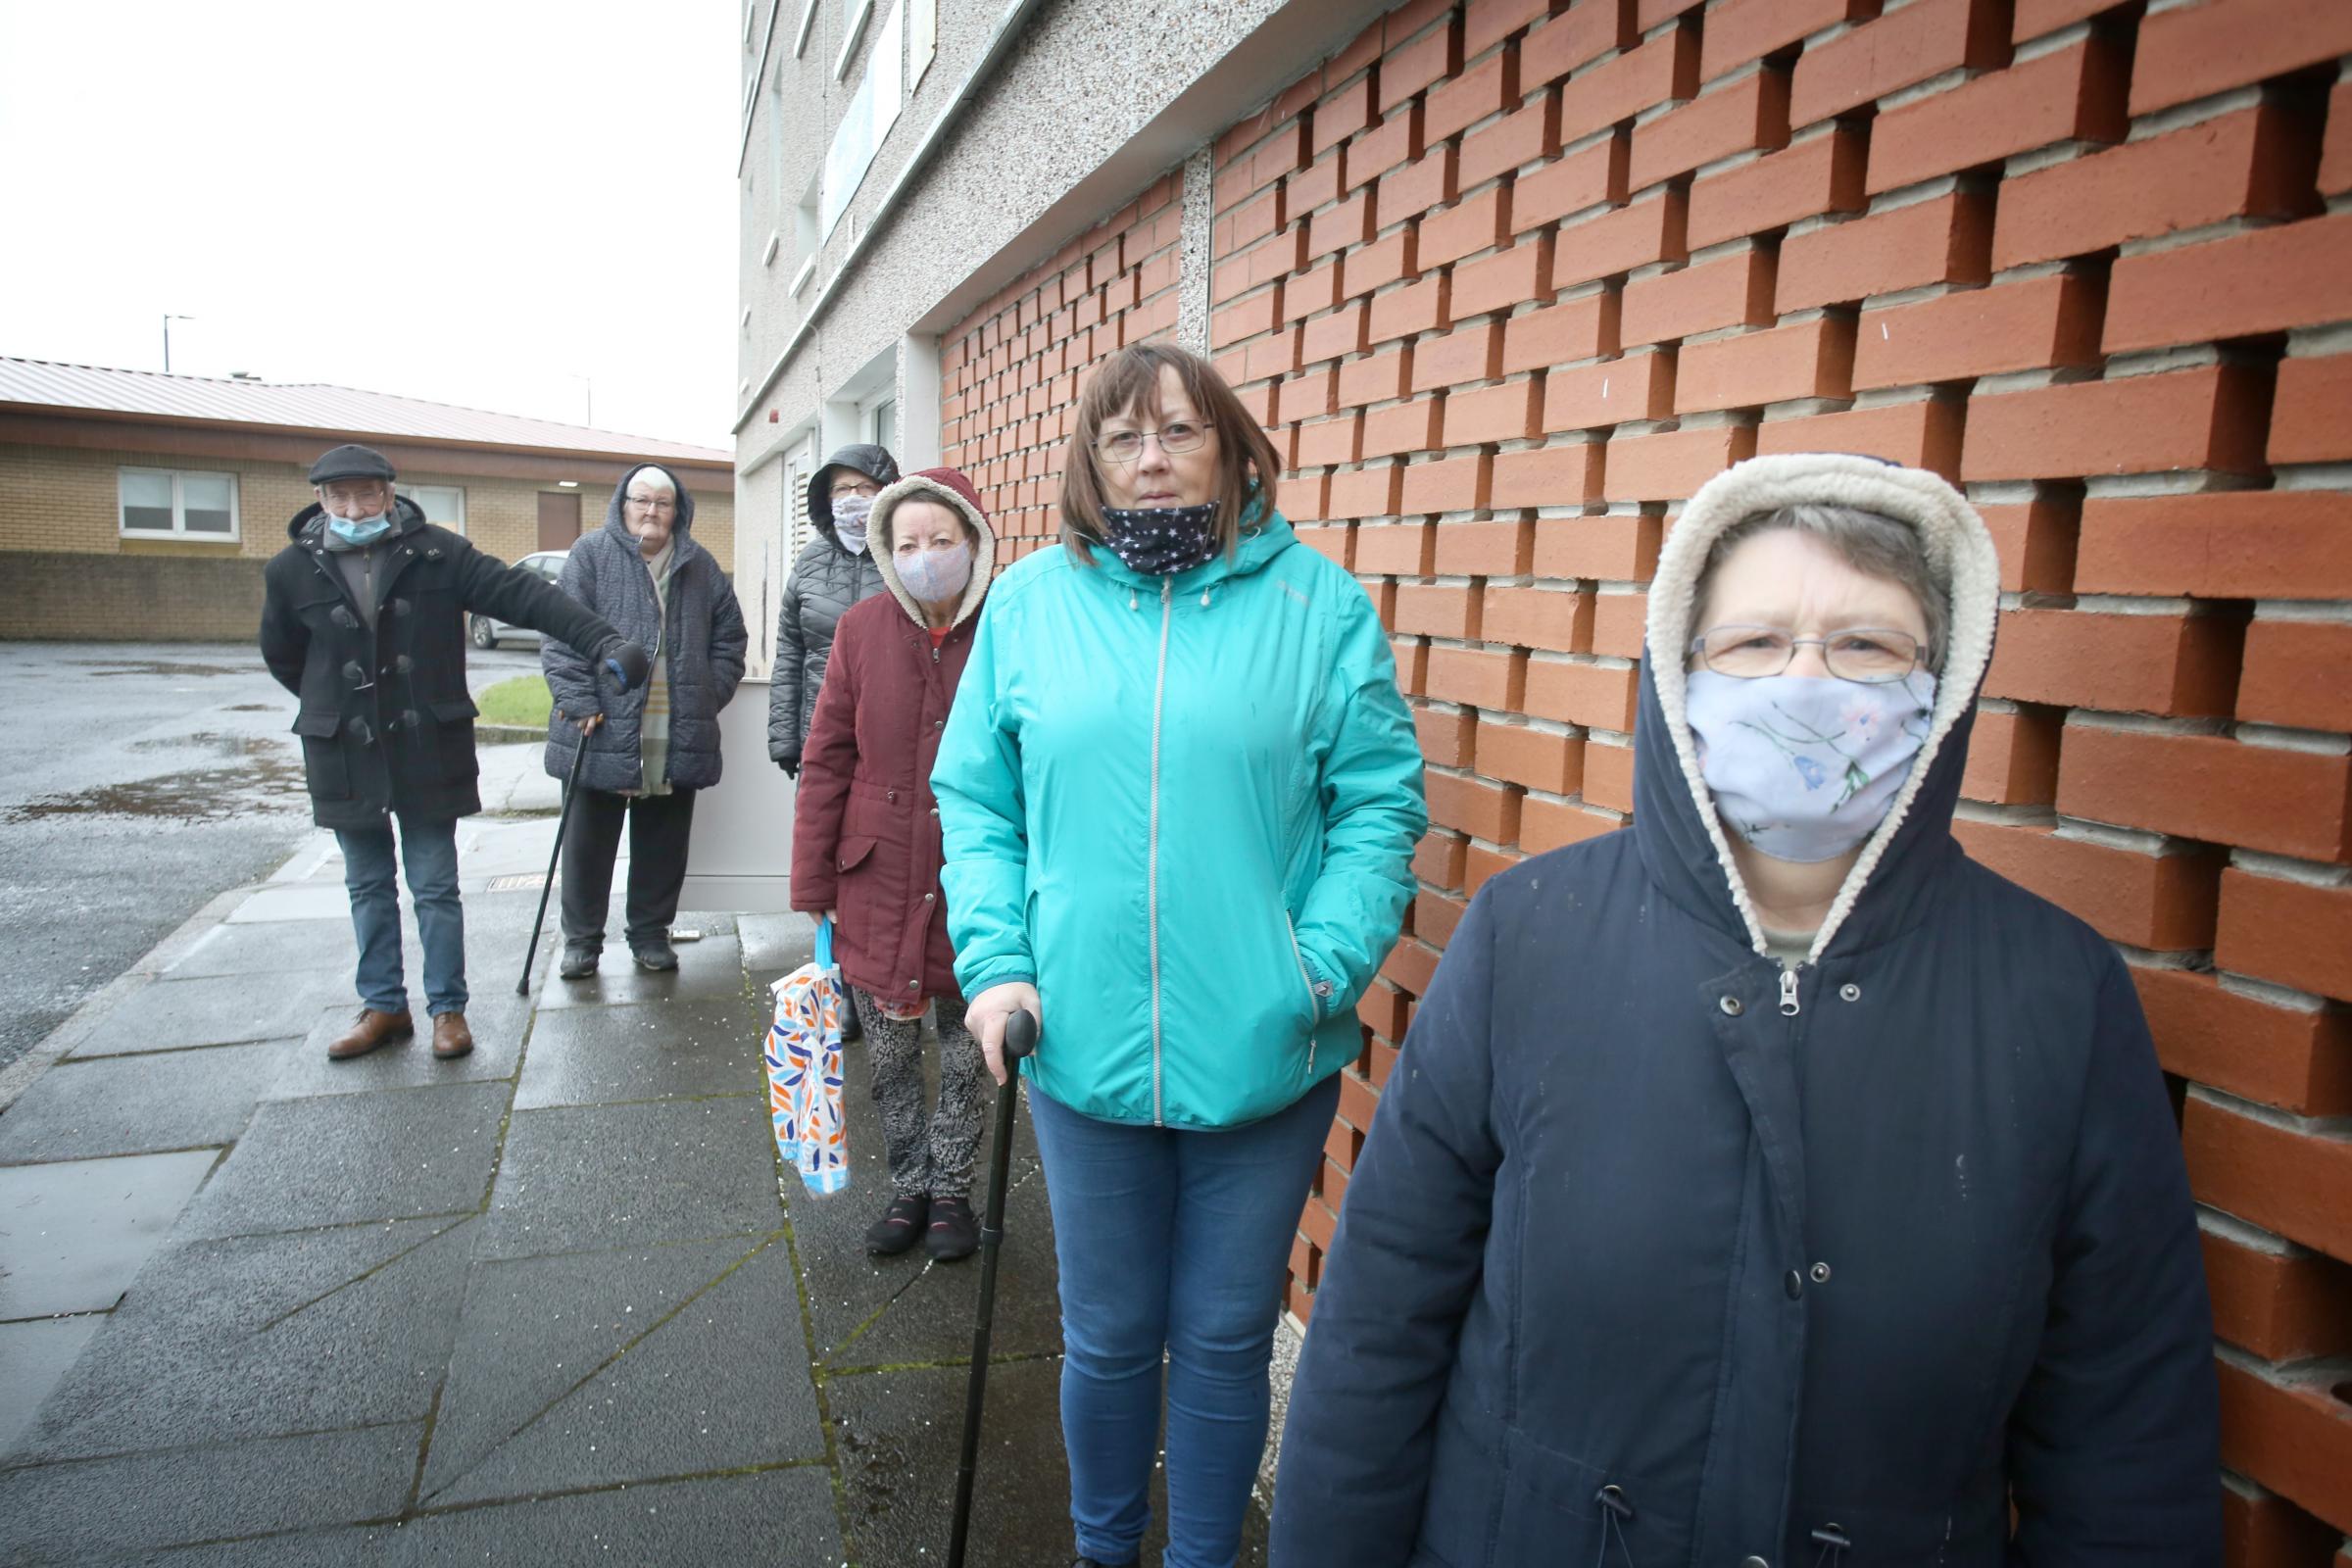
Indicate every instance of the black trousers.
{"type": "Point", "coordinates": [658, 829]}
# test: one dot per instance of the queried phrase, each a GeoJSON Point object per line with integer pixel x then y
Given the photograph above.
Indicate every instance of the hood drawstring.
{"type": "Point", "coordinates": [1615, 1510]}
{"type": "Point", "coordinates": [1131, 600]}
{"type": "Point", "coordinates": [1203, 598]}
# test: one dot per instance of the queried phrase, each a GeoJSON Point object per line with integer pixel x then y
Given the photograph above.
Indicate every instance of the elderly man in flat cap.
{"type": "Point", "coordinates": [363, 621]}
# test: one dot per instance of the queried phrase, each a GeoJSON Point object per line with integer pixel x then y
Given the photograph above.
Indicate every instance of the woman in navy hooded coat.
{"type": "Point", "coordinates": [1689, 1233]}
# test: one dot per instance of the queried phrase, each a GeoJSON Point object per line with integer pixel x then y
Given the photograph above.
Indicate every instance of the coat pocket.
{"type": "Point", "coordinates": [324, 768]}
{"type": "Point", "coordinates": [453, 717]}
{"type": "Point", "coordinates": [1560, 1508]}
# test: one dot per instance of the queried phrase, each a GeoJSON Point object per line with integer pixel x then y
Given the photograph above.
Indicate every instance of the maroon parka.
{"type": "Point", "coordinates": [866, 826]}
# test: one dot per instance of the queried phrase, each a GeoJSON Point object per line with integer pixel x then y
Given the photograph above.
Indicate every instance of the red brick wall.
{"type": "Point", "coordinates": [1507, 280]}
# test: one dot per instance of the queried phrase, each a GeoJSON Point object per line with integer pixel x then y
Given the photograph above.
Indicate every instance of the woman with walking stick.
{"type": "Point", "coordinates": [1180, 793]}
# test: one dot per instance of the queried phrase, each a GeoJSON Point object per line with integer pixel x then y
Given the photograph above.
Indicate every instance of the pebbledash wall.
{"type": "Point", "coordinates": [1507, 280]}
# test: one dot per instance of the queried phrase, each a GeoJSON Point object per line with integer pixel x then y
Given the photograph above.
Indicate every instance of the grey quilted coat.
{"type": "Point", "coordinates": [825, 581]}
{"type": "Point", "coordinates": [702, 639]}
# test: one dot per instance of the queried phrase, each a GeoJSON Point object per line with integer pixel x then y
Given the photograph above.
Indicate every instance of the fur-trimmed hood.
{"type": "Point", "coordinates": [1680, 833]}
{"type": "Point", "coordinates": [952, 488]}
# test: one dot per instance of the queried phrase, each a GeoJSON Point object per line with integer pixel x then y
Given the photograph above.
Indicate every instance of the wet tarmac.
{"type": "Point", "coordinates": [136, 782]}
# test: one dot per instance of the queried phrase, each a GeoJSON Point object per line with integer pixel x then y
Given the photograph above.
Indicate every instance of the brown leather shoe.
{"type": "Point", "coordinates": [371, 1030]}
{"type": "Point", "coordinates": [451, 1037]}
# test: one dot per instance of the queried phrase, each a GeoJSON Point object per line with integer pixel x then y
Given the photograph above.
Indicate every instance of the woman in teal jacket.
{"type": "Point", "coordinates": [1179, 793]}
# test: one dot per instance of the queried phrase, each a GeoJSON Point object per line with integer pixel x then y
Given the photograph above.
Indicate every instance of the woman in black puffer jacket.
{"type": "Point", "coordinates": [834, 572]}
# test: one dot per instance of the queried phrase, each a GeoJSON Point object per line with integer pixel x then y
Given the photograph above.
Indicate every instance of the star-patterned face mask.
{"type": "Point", "coordinates": [1162, 541]}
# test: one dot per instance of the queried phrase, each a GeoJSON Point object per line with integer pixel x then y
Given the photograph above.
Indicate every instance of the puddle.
{"type": "Point", "coordinates": [102, 668]}
{"type": "Point", "coordinates": [219, 743]}
{"type": "Point", "coordinates": [206, 795]}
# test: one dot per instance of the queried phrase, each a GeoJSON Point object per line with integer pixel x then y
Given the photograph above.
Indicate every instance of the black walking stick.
{"type": "Point", "coordinates": [1021, 1039]}
{"type": "Point", "coordinates": [571, 787]}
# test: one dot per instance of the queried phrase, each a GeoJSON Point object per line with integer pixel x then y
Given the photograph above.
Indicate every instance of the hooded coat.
{"type": "Point", "coordinates": [826, 579]}
{"type": "Point", "coordinates": [1184, 809]}
{"type": "Point", "coordinates": [385, 722]}
{"type": "Point", "coordinates": [701, 637]}
{"type": "Point", "coordinates": [1661, 1253]}
{"type": "Point", "coordinates": [865, 837]}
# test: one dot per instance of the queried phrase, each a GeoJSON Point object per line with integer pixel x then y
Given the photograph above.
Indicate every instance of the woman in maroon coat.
{"type": "Point", "coordinates": [866, 846]}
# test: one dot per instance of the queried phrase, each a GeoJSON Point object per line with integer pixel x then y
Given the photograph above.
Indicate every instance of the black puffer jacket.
{"type": "Point", "coordinates": [702, 638]}
{"type": "Point", "coordinates": [385, 722]}
{"type": "Point", "coordinates": [825, 581]}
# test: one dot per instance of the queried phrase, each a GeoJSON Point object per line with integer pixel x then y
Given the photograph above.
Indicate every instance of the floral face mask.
{"type": "Point", "coordinates": [1805, 769]}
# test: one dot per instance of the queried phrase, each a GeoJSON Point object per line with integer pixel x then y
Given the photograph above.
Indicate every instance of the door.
{"type": "Point", "coordinates": [559, 519]}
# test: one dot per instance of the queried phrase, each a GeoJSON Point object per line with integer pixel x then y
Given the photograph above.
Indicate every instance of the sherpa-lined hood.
{"type": "Point", "coordinates": [953, 489]}
{"type": "Point", "coordinates": [1680, 833]}
{"type": "Point", "coordinates": [874, 461]}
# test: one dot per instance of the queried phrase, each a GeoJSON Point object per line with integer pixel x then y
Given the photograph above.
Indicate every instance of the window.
{"type": "Point", "coordinates": [882, 424]}
{"type": "Point", "coordinates": [873, 109]}
{"type": "Point", "coordinates": [164, 503]}
{"type": "Point", "coordinates": [444, 504]}
{"type": "Point", "coordinates": [797, 530]}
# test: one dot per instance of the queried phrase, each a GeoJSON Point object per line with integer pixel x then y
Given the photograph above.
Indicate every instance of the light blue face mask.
{"type": "Point", "coordinates": [936, 576]}
{"type": "Point", "coordinates": [359, 532]}
{"type": "Point", "coordinates": [1802, 769]}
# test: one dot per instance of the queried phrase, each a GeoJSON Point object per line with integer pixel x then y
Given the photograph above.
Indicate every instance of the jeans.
{"type": "Point", "coordinates": [1171, 1240]}
{"type": "Point", "coordinates": [430, 851]}
{"type": "Point", "coordinates": [659, 825]}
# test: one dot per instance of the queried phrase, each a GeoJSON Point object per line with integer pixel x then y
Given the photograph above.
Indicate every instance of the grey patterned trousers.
{"type": "Point", "coordinates": [936, 1155]}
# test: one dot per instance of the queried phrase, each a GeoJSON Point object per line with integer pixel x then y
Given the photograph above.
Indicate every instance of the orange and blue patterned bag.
{"type": "Point", "coordinates": [804, 1071]}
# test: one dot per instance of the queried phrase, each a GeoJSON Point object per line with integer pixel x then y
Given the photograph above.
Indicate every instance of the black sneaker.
{"type": "Point", "coordinates": [579, 963]}
{"type": "Point", "coordinates": [953, 1232]}
{"type": "Point", "coordinates": [655, 954]}
{"type": "Point", "coordinates": [898, 1227]}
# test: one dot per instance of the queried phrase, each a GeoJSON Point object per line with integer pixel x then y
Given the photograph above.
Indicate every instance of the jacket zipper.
{"type": "Point", "coordinates": [1160, 693]}
{"type": "Point", "coordinates": [1788, 1004]}
{"type": "Point", "coordinates": [1314, 1002]}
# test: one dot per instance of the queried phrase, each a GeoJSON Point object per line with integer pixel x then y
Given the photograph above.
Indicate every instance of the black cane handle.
{"type": "Point", "coordinates": [1020, 1035]}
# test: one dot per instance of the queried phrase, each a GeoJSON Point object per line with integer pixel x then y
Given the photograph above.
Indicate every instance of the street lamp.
{"type": "Point", "coordinates": [168, 321]}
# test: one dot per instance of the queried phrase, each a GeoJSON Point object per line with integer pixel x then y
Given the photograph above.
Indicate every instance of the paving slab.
{"type": "Point", "coordinates": [709, 970]}
{"type": "Point", "coordinates": [582, 1177]}
{"type": "Point", "coordinates": [340, 1159]}
{"type": "Point", "coordinates": [498, 1020]}
{"type": "Point", "coordinates": [776, 943]}
{"type": "Point", "coordinates": [79, 1513]}
{"type": "Point", "coordinates": [657, 1050]}
{"type": "Point", "coordinates": [74, 1234]}
{"type": "Point", "coordinates": [306, 902]}
{"type": "Point", "coordinates": [34, 1356]}
{"type": "Point", "coordinates": [261, 1337]}
{"type": "Point", "coordinates": [781, 1518]}
{"type": "Point", "coordinates": [898, 1437]}
{"type": "Point", "coordinates": [870, 1312]}
{"type": "Point", "coordinates": [277, 946]}
{"type": "Point", "coordinates": [139, 1104]}
{"type": "Point", "coordinates": [211, 1011]}
{"type": "Point", "coordinates": [720, 1383]}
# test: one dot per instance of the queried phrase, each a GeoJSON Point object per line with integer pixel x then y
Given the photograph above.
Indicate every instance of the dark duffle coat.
{"type": "Point", "coordinates": [700, 641]}
{"type": "Point", "coordinates": [385, 722]}
{"type": "Point", "coordinates": [1640, 1267]}
{"type": "Point", "coordinates": [865, 825]}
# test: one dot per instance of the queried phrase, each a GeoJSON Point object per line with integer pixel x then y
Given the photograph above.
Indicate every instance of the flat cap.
{"type": "Point", "coordinates": [351, 461]}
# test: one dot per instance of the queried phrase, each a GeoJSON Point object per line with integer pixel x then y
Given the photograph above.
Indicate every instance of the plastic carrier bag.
{"type": "Point", "coordinates": [804, 1071]}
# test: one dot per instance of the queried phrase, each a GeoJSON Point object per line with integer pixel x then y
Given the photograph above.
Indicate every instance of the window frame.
{"type": "Point", "coordinates": [179, 529]}
{"type": "Point", "coordinates": [458, 527]}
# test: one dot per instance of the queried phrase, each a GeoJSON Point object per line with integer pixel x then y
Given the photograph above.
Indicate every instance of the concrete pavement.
{"type": "Point", "coordinates": [549, 1303]}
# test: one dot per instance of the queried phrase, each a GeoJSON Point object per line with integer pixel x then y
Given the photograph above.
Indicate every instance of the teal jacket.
{"type": "Point", "coordinates": [1184, 809]}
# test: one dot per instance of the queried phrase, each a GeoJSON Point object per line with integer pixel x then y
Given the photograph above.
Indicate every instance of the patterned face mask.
{"type": "Point", "coordinates": [935, 577]}
{"type": "Point", "coordinates": [1805, 769]}
{"type": "Point", "coordinates": [1162, 541]}
{"type": "Point", "coordinates": [849, 513]}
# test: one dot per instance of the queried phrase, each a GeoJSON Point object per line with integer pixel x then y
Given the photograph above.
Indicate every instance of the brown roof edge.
{"type": "Point", "coordinates": [276, 444]}
{"type": "Point", "coordinates": [52, 413]}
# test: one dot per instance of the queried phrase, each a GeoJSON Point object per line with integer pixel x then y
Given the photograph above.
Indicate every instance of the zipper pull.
{"type": "Point", "coordinates": [1788, 1007]}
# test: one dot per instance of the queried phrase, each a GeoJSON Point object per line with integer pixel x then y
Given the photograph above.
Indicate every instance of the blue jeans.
{"type": "Point", "coordinates": [1171, 1240]}
{"type": "Point", "coordinates": [431, 850]}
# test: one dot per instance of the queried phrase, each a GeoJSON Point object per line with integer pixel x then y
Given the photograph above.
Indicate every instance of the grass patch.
{"type": "Point", "coordinates": [522, 702]}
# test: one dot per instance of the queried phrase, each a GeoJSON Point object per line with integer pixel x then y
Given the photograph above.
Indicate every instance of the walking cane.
{"type": "Point", "coordinates": [1021, 1039]}
{"type": "Point", "coordinates": [571, 787]}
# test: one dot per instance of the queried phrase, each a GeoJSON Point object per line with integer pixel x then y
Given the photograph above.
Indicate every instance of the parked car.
{"type": "Point", "coordinates": [487, 630]}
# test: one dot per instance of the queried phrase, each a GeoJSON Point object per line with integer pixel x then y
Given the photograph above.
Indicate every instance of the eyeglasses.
{"type": "Point", "coordinates": [654, 502]}
{"type": "Point", "coordinates": [1870, 655]}
{"type": "Point", "coordinates": [1123, 447]}
{"type": "Point", "coordinates": [861, 487]}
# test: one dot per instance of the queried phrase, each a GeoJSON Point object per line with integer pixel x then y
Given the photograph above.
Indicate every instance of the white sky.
{"type": "Point", "coordinates": [474, 201]}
